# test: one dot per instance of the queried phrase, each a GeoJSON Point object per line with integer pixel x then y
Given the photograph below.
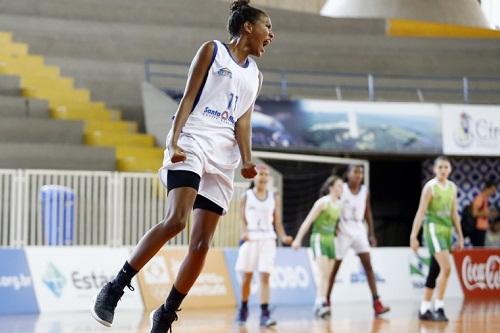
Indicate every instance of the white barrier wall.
{"type": "Point", "coordinates": [67, 278]}
{"type": "Point", "coordinates": [399, 272]}
{"type": "Point", "coordinates": [59, 279]}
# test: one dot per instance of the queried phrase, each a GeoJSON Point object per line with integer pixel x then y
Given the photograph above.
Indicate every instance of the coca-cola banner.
{"type": "Point", "coordinates": [479, 272]}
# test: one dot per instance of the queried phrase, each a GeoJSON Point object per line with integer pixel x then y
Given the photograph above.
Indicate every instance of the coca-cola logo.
{"type": "Point", "coordinates": [481, 275]}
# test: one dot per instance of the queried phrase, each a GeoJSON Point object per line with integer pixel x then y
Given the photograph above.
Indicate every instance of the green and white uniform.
{"type": "Point", "coordinates": [323, 232]}
{"type": "Point", "coordinates": [438, 218]}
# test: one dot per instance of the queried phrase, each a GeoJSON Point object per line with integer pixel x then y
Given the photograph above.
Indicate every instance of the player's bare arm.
{"type": "Point", "coordinates": [196, 75]}
{"type": "Point", "coordinates": [425, 198]}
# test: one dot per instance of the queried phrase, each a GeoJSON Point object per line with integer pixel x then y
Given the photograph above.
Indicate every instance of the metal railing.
{"type": "Point", "coordinates": [111, 208]}
{"type": "Point", "coordinates": [283, 83]}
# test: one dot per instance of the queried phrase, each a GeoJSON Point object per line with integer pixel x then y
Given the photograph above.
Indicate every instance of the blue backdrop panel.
{"type": "Point", "coordinates": [16, 284]}
{"type": "Point", "coordinates": [292, 281]}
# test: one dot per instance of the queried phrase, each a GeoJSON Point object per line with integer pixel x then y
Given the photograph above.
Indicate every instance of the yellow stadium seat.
{"type": "Point", "coordinates": [5, 37]}
{"type": "Point", "coordinates": [139, 152]}
{"type": "Point", "coordinates": [138, 164]}
{"type": "Point", "coordinates": [14, 49]}
{"type": "Point", "coordinates": [110, 126]}
{"type": "Point", "coordinates": [27, 60]}
{"type": "Point", "coordinates": [101, 138]}
{"type": "Point", "coordinates": [69, 114]}
{"type": "Point", "coordinates": [49, 82]}
{"type": "Point", "coordinates": [58, 97]}
{"type": "Point", "coordinates": [103, 127]}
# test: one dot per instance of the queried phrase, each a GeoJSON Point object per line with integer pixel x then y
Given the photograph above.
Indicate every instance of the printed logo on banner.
{"type": "Point", "coordinates": [293, 276]}
{"type": "Point", "coordinates": [66, 279]}
{"type": "Point", "coordinates": [16, 283]}
{"type": "Point", "coordinates": [463, 134]}
{"type": "Point", "coordinates": [481, 275]}
{"type": "Point", "coordinates": [291, 281]}
{"type": "Point", "coordinates": [471, 130]}
{"type": "Point", "coordinates": [360, 276]}
{"type": "Point", "coordinates": [212, 288]}
{"type": "Point", "coordinates": [419, 268]}
{"type": "Point", "coordinates": [479, 272]}
{"type": "Point", "coordinates": [156, 271]}
{"type": "Point", "coordinates": [54, 280]}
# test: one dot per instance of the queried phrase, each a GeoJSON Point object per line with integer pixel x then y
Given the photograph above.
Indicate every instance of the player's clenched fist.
{"type": "Point", "coordinates": [177, 154]}
{"type": "Point", "coordinates": [248, 170]}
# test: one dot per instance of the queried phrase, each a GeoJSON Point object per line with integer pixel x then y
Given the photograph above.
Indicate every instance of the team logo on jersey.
{"type": "Point", "coordinates": [224, 71]}
{"type": "Point", "coordinates": [225, 117]}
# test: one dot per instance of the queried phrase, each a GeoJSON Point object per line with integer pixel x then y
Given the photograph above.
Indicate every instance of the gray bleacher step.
{"type": "Point", "coordinates": [56, 156]}
{"type": "Point", "coordinates": [9, 85]}
{"type": "Point", "coordinates": [180, 13]}
{"type": "Point", "coordinates": [13, 106]}
{"type": "Point", "coordinates": [28, 130]}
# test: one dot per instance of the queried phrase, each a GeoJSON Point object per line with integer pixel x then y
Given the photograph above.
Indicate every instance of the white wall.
{"type": "Point", "coordinates": [491, 9]}
{"type": "Point", "coordinates": [462, 12]}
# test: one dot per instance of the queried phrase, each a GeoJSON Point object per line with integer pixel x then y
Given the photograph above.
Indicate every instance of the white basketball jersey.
{"type": "Point", "coordinates": [353, 210]}
{"type": "Point", "coordinates": [227, 93]}
{"type": "Point", "coordinates": [259, 215]}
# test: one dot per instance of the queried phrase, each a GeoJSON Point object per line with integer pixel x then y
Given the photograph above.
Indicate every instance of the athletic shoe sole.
{"type": "Point", "coordinates": [151, 314]}
{"type": "Point", "coordinates": [323, 313]}
{"type": "Point", "coordinates": [96, 317]}
{"type": "Point", "coordinates": [273, 323]}
{"type": "Point", "coordinates": [381, 313]}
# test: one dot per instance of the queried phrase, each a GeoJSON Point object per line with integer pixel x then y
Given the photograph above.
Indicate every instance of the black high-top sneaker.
{"type": "Point", "coordinates": [427, 315]}
{"type": "Point", "coordinates": [161, 320]}
{"type": "Point", "coordinates": [266, 320]}
{"type": "Point", "coordinates": [439, 315]}
{"type": "Point", "coordinates": [105, 303]}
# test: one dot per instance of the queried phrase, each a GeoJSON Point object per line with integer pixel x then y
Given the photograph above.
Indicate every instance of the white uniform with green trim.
{"type": "Point", "coordinates": [438, 218]}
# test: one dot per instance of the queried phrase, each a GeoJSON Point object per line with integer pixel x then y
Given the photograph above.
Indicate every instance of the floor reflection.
{"type": "Point", "coordinates": [465, 317]}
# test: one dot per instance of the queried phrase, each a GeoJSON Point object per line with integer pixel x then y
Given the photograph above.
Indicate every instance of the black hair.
{"type": "Point", "coordinates": [251, 185]}
{"type": "Point", "coordinates": [325, 188]}
{"type": "Point", "coordinates": [354, 166]}
{"type": "Point", "coordinates": [242, 12]}
{"type": "Point", "coordinates": [490, 183]}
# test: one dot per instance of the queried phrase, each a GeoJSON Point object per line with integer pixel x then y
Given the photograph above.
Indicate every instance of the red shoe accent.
{"type": "Point", "coordinates": [380, 308]}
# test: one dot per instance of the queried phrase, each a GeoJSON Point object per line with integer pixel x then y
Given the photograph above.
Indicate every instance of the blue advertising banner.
{"type": "Point", "coordinates": [292, 281]}
{"type": "Point", "coordinates": [16, 283]}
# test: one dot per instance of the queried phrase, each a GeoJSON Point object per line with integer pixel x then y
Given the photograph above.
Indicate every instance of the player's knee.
{"type": "Point", "coordinates": [430, 283]}
{"type": "Point", "coordinates": [176, 221]}
{"type": "Point", "coordinates": [247, 278]}
{"type": "Point", "coordinates": [199, 248]}
{"type": "Point", "coordinates": [368, 266]}
{"type": "Point", "coordinates": [446, 270]}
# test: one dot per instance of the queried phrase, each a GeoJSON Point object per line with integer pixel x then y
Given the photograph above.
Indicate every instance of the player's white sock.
{"type": "Point", "coordinates": [424, 307]}
{"type": "Point", "coordinates": [319, 301]}
{"type": "Point", "coordinates": [438, 304]}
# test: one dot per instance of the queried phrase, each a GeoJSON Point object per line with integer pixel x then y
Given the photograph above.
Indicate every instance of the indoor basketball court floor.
{"type": "Point", "coordinates": [465, 316]}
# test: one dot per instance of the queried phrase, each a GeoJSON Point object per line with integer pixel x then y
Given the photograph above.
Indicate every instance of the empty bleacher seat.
{"type": "Point", "coordinates": [56, 156]}
{"type": "Point", "coordinates": [40, 130]}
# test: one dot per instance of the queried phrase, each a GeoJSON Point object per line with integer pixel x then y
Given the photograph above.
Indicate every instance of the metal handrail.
{"type": "Point", "coordinates": [370, 85]}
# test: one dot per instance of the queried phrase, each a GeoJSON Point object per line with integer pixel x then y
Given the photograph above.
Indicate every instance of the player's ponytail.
{"type": "Point", "coordinates": [238, 4]}
{"type": "Point", "coordinates": [325, 188]}
{"type": "Point", "coordinates": [241, 12]}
